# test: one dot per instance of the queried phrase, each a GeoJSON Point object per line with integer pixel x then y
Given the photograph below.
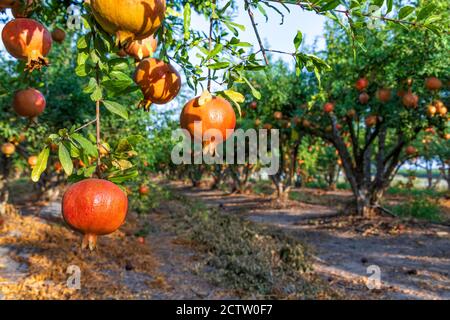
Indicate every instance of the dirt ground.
{"type": "Point", "coordinates": [413, 257]}
{"type": "Point", "coordinates": [37, 252]}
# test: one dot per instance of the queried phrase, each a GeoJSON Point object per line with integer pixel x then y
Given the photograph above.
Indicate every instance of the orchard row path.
{"type": "Point", "coordinates": [412, 258]}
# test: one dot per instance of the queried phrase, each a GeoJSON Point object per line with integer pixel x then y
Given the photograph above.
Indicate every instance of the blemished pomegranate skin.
{"type": "Point", "coordinates": [94, 207]}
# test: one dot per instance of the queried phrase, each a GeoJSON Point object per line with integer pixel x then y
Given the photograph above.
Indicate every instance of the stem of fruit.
{"type": "Point", "coordinates": [211, 28]}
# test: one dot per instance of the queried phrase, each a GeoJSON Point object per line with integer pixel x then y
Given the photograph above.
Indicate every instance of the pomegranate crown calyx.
{"type": "Point", "coordinates": [205, 98]}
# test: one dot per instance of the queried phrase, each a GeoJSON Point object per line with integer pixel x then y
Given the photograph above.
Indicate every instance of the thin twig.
{"type": "Point", "coordinates": [255, 28]}
{"type": "Point", "coordinates": [85, 125]}
{"type": "Point", "coordinates": [211, 28]}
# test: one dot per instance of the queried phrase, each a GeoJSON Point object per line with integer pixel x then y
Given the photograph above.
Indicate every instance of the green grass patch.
{"type": "Point", "coordinates": [420, 209]}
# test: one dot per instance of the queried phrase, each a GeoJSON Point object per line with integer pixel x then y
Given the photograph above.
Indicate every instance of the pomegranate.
{"type": "Point", "coordinates": [213, 113]}
{"type": "Point", "coordinates": [361, 84]}
{"type": "Point", "coordinates": [254, 105]}
{"type": "Point", "coordinates": [141, 240]}
{"type": "Point", "coordinates": [306, 123]}
{"type": "Point", "coordinates": [364, 98]}
{"type": "Point", "coordinates": [351, 113]}
{"type": "Point", "coordinates": [447, 136]}
{"type": "Point", "coordinates": [371, 121]}
{"type": "Point", "coordinates": [129, 19]}
{"type": "Point", "coordinates": [384, 95]}
{"type": "Point", "coordinates": [8, 149]}
{"type": "Point", "coordinates": [144, 190]}
{"type": "Point", "coordinates": [431, 110]}
{"type": "Point", "coordinates": [94, 207]}
{"type": "Point", "coordinates": [328, 107]}
{"type": "Point", "coordinates": [268, 126]}
{"type": "Point", "coordinates": [29, 103]}
{"type": "Point", "coordinates": [433, 84]}
{"type": "Point", "coordinates": [257, 123]}
{"type": "Point", "coordinates": [141, 49]}
{"type": "Point", "coordinates": [410, 150]}
{"type": "Point", "coordinates": [278, 115]}
{"type": "Point", "coordinates": [159, 82]}
{"type": "Point", "coordinates": [58, 35]}
{"type": "Point", "coordinates": [443, 111]}
{"type": "Point", "coordinates": [23, 9]}
{"type": "Point", "coordinates": [410, 100]}
{"type": "Point", "coordinates": [27, 39]}
{"type": "Point", "coordinates": [57, 166]}
{"type": "Point", "coordinates": [32, 161]}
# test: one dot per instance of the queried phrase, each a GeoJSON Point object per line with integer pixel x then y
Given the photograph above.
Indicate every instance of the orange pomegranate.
{"type": "Point", "coordinates": [361, 84]}
{"type": "Point", "coordinates": [431, 110]}
{"type": "Point", "coordinates": [94, 207]}
{"type": "Point", "coordinates": [257, 123]}
{"type": "Point", "coordinates": [144, 190]}
{"type": "Point", "coordinates": [278, 115]}
{"type": "Point", "coordinates": [29, 103]}
{"type": "Point", "coordinates": [268, 126]}
{"type": "Point", "coordinates": [141, 49]}
{"type": "Point", "coordinates": [410, 100]}
{"type": "Point", "coordinates": [159, 82]}
{"type": "Point", "coordinates": [433, 84]}
{"type": "Point", "coordinates": [32, 161]}
{"type": "Point", "coordinates": [328, 107]}
{"type": "Point", "coordinates": [27, 39]}
{"type": "Point", "coordinates": [447, 136]}
{"type": "Point", "coordinates": [371, 121]}
{"type": "Point", "coordinates": [443, 111]}
{"type": "Point", "coordinates": [129, 20]}
{"type": "Point", "coordinates": [351, 113]}
{"type": "Point", "coordinates": [8, 149]}
{"type": "Point", "coordinates": [58, 35]}
{"type": "Point", "coordinates": [384, 95]}
{"type": "Point", "coordinates": [213, 113]}
{"type": "Point", "coordinates": [57, 166]}
{"type": "Point", "coordinates": [364, 98]}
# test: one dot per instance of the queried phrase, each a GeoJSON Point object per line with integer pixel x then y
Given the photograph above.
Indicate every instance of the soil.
{"type": "Point", "coordinates": [413, 257]}
{"type": "Point", "coordinates": [37, 252]}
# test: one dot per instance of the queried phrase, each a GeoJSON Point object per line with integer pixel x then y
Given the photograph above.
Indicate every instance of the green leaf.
{"type": "Point", "coordinates": [41, 165]}
{"type": "Point", "coordinates": [65, 159]}
{"type": "Point", "coordinates": [298, 40]}
{"type": "Point", "coordinates": [88, 147]}
{"type": "Point", "coordinates": [405, 12]}
{"type": "Point", "coordinates": [218, 65]}
{"type": "Point", "coordinates": [97, 95]}
{"type": "Point", "coordinates": [116, 108]}
{"type": "Point", "coordinates": [187, 20]}
{"type": "Point", "coordinates": [330, 5]}
{"type": "Point", "coordinates": [426, 11]}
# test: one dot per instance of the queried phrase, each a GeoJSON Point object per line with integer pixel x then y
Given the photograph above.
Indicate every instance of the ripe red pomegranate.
{"type": "Point", "coordinates": [27, 39]}
{"type": "Point", "coordinates": [410, 150]}
{"type": "Point", "coordinates": [8, 149]}
{"type": "Point", "coordinates": [141, 49]}
{"type": "Point", "coordinates": [328, 107]}
{"type": "Point", "coordinates": [58, 35]}
{"type": "Point", "coordinates": [410, 100]}
{"type": "Point", "coordinates": [364, 98]}
{"type": "Point", "coordinates": [129, 20]}
{"type": "Point", "coordinates": [253, 105]}
{"type": "Point", "coordinates": [361, 84]}
{"type": "Point", "coordinates": [384, 95]}
{"type": "Point", "coordinates": [94, 207]}
{"type": "Point", "coordinates": [433, 84]}
{"type": "Point", "coordinates": [144, 190]}
{"type": "Point", "coordinates": [159, 82]}
{"type": "Point", "coordinates": [214, 113]}
{"type": "Point", "coordinates": [29, 103]}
